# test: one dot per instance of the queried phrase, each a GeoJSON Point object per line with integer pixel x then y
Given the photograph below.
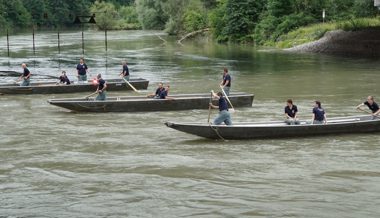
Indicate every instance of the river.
{"type": "Point", "coordinates": [55, 163]}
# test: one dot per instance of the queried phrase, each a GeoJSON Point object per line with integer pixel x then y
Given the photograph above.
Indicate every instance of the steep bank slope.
{"type": "Point", "coordinates": [362, 43]}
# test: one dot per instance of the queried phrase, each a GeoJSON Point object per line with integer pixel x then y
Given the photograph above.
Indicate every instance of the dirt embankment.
{"type": "Point", "coordinates": [363, 43]}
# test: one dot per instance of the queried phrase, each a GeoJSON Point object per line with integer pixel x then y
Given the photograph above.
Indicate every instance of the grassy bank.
{"type": "Point", "coordinates": [316, 31]}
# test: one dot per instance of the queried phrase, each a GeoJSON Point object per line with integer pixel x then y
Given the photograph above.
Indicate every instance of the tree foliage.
{"type": "Point", "coordinates": [229, 20]}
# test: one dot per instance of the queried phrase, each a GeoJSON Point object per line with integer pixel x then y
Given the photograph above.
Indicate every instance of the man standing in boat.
{"type": "Point", "coordinates": [371, 104]}
{"type": "Point", "coordinates": [25, 76]}
{"type": "Point", "coordinates": [291, 111]}
{"type": "Point", "coordinates": [125, 72]}
{"type": "Point", "coordinates": [224, 115]}
{"type": "Point", "coordinates": [319, 114]}
{"type": "Point", "coordinates": [226, 82]}
{"type": "Point", "coordinates": [82, 70]}
{"type": "Point", "coordinates": [102, 86]}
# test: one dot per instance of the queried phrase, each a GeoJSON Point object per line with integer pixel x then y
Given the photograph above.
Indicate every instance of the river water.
{"type": "Point", "coordinates": [55, 163]}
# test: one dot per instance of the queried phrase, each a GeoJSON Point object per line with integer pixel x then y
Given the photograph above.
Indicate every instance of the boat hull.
{"type": "Point", "coordinates": [241, 131]}
{"type": "Point", "coordinates": [143, 104]}
{"type": "Point", "coordinates": [53, 88]}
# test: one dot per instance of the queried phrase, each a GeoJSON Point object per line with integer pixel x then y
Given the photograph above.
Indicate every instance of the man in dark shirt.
{"type": "Point", "coordinates": [82, 70]}
{"type": "Point", "coordinates": [157, 93]}
{"type": "Point", "coordinates": [319, 114]}
{"type": "Point", "coordinates": [372, 105]}
{"type": "Point", "coordinates": [102, 86]}
{"type": "Point", "coordinates": [125, 72]}
{"type": "Point", "coordinates": [224, 115]}
{"type": "Point", "coordinates": [25, 76]}
{"type": "Point", "coordinates": [226, 82]}
{"type": "Point", "coordinates": [291, 113]}
{"type": "Point", "coordinates": [64, 79]}
{"type": "Point", "coordinates": [164, 93]}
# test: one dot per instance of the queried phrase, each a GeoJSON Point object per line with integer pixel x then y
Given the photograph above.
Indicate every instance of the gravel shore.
{"type": "Point", "coordinates": [363, 43]}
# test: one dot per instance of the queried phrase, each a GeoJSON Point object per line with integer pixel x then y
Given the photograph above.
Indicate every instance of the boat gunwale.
{"type": "Point", "coordinates": [283, 124]}
{"type": "Point", "coordinates": [143, 98]}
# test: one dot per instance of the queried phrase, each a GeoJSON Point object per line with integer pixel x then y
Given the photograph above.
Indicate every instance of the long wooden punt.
{"type": "Point", "coordinates": [270, 130]}
{"type": "Point", "coordinates": [54, 88]}
{"type": "Point", "coordinates": [142, 103]}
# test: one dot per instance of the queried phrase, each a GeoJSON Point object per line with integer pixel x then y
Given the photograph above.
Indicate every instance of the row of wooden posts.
{"type": "Point", "coordinates": [58, 42]}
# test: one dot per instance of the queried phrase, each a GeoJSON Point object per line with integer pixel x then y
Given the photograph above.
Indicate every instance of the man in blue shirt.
{"type": "Point", "coordinates": [25, 76]}
{"type": "Point", "coordinates": [372, 105]}
{"type": "Point", "coordinates": [224, 115]}
{"type": "Point", "coordinates": [157, 93]}
{"type": "Point", "coordinates": [102, 86]}
{"type": "Point", "coordinates": [125, 72]}
{"type": "Point", "coordinates": [319, 114]}
{"type": "Point", "coordinates": [82, 70]}
{"type": "Point", "coordinates": [291, 111]}
{"type": "Point", "coordinates": [226, 82]}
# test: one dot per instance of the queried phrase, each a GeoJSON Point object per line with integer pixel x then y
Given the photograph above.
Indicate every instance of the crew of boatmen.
{"type": "Point", "coordinates": [224, 116]}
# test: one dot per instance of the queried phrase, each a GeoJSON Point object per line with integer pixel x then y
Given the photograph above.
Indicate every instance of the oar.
{"type": "Point", "coordinates": [91, 95]}
{"type": "Point", "coordinates": [209, 108]}
{"type": "Point", "coordinates": [224, 93]}
{"type": "Point", "coordinates": [368, 112]}
{"type": "Point", "coordinates": [134, 89]}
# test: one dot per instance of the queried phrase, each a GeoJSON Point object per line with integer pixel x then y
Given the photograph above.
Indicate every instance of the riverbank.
{"type": "Point", "coordinates": [355, 37]}
{"type": "Point", "coordinates": [363, 43]}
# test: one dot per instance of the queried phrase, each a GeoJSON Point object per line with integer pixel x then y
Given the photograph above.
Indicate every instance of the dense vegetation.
{"type": "Point", "coordinates": [258, 21]}
{"type": "Point", "coordinates": [23, 14]}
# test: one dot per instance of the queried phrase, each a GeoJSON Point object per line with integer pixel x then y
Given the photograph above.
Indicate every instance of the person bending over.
{"type": "Point", "coordinates": [224, 115]}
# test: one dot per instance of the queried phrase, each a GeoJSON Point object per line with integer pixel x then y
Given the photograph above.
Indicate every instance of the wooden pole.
{"type": "Point", "coordinates": [82, 41]}
{"type": "Point", "coordinates": [8, 42]}
{"type": "Point", "coordinates": [34, 45]}
{"type": "Point", "coordinates": [130, 85]}
{"type": "Point", "coordinates": [59, 43]}
{"type": "Point", "coordinates": [105, 38]}
{"type": "Point", "coordinates": [209, 109]}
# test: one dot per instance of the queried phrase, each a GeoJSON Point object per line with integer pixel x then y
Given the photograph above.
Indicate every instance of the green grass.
{"type": "Point", "coordinates": [316, 31]}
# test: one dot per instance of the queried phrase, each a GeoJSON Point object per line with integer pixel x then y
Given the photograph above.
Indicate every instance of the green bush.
{"type": "Point", "coordinates": [194, 20]}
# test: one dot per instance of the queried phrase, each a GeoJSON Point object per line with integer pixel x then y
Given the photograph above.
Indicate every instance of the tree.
{"type": "Point", "coordinates": [151, 14]}
{"type": "Point", "coordinates": [241, 17]}
{"type": "Point", "coordinates": [16, 13]}
{"type": "Point", "coordinates": [279, 8]}
{"type": "Point", "coordinates": [106, 14]}
{"type": "Point", "coordinates": [174, 10]}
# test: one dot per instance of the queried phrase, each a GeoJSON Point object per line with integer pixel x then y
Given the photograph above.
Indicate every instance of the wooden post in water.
{"type": "Point", "coordinates": [105, 38]}
{"type": "Point", "coordinates": [82, 41]}
{"type": "Point", "coordinates": [59, 43]}
{"type": "Point", "coordinates": [8, 41]}
{"type": "Point", "coordinates": [34, 45]}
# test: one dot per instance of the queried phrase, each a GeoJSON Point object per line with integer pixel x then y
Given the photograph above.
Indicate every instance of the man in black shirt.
{"type": "Point", "coordinates": [25, 76]}
{"type": "Point", "coordinates": [226, 82]}
{"type": "Point", "coordinates": [102, 86]}
{"type": "Point", "coordinates": [291, 113]}
{"type": "Point", "coordinates": [125, 72]}
{"type": "Point", "coordinates": [157, 93]}
{"type": "Point", "coordinates": [64, 79]}
{"type": "Point", "coordinates": [371, 104]}
{"type": "Point", "coordinates": [82, 70]}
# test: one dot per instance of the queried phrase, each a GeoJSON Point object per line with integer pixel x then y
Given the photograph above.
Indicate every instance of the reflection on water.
{"type": "Point", "coordinates": [55, 163]}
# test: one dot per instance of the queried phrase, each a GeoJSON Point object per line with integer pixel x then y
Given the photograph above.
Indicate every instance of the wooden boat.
{"type": "Point", "coordinates": [142, 103]}
{"type": "Point", "coordinates": [9, 73]}
{"type": "Point", "coordinates": [270, 130]}
{"type": "Point", "coordinates": [54, 88]}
